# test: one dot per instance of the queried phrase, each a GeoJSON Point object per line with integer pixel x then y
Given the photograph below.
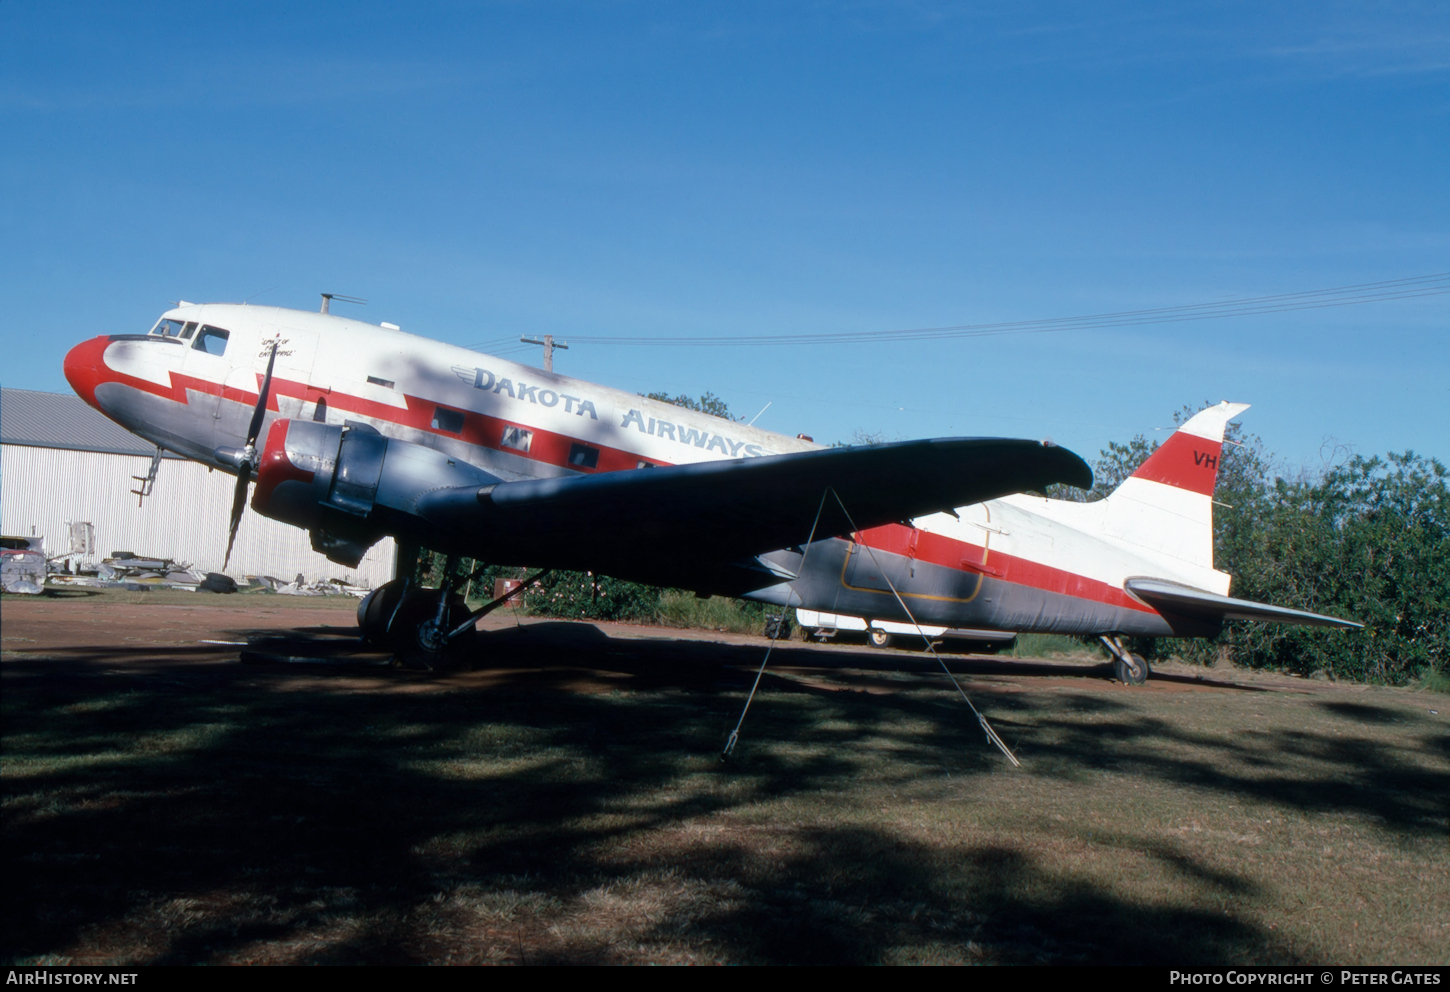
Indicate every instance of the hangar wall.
{"type": "Point", "coordinates": [185, 518]}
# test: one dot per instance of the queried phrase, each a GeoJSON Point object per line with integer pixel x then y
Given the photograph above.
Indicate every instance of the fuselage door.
{"type": "Point", "coordinates": [299, 379]}
{"type": "Point", "coordinates": [864, 570]}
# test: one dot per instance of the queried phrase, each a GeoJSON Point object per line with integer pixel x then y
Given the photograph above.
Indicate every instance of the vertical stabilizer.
{"type": "Point", "coordinates": [1167, 505]}
{"type": "Point", "coordinates": [1189, 458]}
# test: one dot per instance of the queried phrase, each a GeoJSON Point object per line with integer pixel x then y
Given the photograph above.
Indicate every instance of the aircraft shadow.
{"type": "Point", "coordinates": [193, 811]}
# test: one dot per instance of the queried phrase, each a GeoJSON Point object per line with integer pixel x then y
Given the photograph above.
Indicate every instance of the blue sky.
{"type": "Point", "coordinates": [479, 171]}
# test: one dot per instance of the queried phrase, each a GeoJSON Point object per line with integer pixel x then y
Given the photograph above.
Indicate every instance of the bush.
{"type": "Point", "coordinates": [1368, 541]}
{"type": "Point", "coordinates": [737, 616]}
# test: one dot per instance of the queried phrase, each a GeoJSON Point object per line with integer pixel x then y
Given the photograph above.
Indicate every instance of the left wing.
{"type": "Point", "coordinates": [665, 524]}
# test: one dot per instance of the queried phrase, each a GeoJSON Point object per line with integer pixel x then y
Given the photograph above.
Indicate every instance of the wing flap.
{"type": "Point", "coordinates": [1184, 603]}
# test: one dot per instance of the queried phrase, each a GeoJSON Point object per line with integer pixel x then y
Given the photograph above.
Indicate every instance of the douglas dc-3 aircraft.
{"type": "Point", "coordinates": [367, 431]}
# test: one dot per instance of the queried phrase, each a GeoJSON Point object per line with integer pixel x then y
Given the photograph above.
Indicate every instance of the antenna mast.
{"type": "Point", "coordinates": [327, 299]}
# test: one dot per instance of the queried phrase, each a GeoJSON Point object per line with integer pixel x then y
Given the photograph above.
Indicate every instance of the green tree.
{"type": "Point", "coordinates": [1368, 540]}
{"type": "Point", "coordinates": [709, 403]}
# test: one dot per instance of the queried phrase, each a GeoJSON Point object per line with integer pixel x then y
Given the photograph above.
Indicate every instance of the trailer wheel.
{"type": "Point", "coordinates": [879, 638]}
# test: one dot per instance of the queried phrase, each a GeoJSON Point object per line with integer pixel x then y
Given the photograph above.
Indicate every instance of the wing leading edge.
{"type": "Point", "coordinates": [662, 524]}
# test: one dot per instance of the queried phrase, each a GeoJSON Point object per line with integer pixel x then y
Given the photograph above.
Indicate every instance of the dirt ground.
{"type": "Point", "coordinates": [147, 636]}
{"type": "Point", "coordinates": [239, 781]}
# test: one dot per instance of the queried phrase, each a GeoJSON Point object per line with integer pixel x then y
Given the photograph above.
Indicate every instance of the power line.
{"type": "Point", "coordinates": [1340, 296]}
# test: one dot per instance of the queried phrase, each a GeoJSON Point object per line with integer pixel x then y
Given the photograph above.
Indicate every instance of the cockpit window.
{"type": "Point", "coordinates": [167, 328]}
{"type": "Point", "coordinates": [212, 340]}
{"type": "Point", "coordinates": [188, 330]}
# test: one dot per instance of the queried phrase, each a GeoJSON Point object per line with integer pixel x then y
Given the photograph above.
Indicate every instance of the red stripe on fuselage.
{"type": "Point", "coordinates": [480, 430]}
{"type": "Point", "coordinates": [948, 552]}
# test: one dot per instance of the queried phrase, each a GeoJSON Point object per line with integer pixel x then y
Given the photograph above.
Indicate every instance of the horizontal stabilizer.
{"type": "Point", "coordinates": [1193, 612]}
{"type": "Point", "coordinates": [659, 524]}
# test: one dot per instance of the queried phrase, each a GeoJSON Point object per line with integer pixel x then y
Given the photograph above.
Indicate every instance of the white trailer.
{"type": "Point", "coordinates": [883, 633]}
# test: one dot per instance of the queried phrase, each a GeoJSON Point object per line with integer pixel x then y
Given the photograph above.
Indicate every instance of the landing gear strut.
{"type": "Point", "coordinates": [415, 623]}
{"type": "Point", "coordinates": [1128, 668]}
{"type": "Point", "coordinates": [425, 628]}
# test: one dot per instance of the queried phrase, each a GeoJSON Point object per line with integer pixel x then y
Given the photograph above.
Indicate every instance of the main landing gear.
{"type": "Point", "coordinates": [414, 623]}
{"type": "Point", "coordinates": [1128, 668]}
{"type": "Point", "coordinates": [425, 628]}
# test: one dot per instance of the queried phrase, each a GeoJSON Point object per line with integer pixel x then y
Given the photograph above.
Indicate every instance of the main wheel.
{"type": "Point", "coordinates": [376, 609]}
{"type": "Point", "coordinates": [879, 638]}
{"type": "Point", "coordinates": [419, 641]}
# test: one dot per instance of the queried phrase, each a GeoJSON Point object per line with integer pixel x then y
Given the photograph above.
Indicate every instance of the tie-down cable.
{"type": "Point", "coordinates": [775, 630]}
{"type": "Point", "coordinates": [930, 646]}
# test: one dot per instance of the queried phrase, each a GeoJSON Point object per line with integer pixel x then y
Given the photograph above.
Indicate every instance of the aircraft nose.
{"type": "Point", "coordinates": [84, 367]}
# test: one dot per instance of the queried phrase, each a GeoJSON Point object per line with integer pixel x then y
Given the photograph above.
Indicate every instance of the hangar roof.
{"type": "Point", "coordinates": [62, 420]}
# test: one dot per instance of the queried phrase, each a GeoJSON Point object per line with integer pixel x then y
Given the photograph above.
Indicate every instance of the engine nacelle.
{"type": "Point", "coordinates": [350, 486]}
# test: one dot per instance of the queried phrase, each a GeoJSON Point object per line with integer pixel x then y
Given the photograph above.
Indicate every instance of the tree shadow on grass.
{"type": "Point", "coordinates": [1362, 713]}
{"type": "Point", "coordinates": [164, 808]}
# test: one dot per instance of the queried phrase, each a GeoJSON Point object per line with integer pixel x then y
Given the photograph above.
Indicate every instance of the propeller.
{"type": "Point", "coordinates": [247, 459]}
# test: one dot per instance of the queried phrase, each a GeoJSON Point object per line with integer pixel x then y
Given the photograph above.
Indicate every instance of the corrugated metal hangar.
{"type": "Point", "coordinates": [62, 462]}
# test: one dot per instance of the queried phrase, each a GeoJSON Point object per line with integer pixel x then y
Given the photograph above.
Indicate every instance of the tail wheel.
{"type": "Point", "coordinates": [1131, 671]}
{"type": "Point", "coordinates": [879, 638]}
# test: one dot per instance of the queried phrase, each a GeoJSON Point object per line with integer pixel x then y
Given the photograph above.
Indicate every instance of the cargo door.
{"type": "Point", "coordinates": [861, 572]}
{"type": "Point", "coordinates": [299, 385]}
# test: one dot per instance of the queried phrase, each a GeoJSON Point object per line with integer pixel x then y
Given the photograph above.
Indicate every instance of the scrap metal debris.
{"type": "Point", "coordinates": [139, 573]}
{"type": "Point", "coordinates": [22, 571]}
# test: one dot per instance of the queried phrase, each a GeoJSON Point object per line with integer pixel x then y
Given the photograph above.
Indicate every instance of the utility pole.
{"type": "Point", "coordinates": [549, 347]}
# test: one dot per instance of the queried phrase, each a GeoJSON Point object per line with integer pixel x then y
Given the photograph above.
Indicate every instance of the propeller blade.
{"type": "Point", "coordinates": [244, 469]}
{"type": "Point", "coordinates": [239, 503]}
{"type": "Point", "coordinates": [261, 411]}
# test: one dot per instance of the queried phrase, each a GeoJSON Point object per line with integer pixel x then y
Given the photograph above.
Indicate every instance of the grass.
{"type": "Point", "coordinates": [532, 812]}
{"type": "Point", "coordinates": [1434, 681]}
{"type": "Point", "coordinates": [683, 609]}
{"type": "Point", "coordinates": [1049, 646]}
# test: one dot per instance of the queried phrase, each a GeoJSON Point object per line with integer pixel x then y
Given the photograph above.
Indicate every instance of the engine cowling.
{"type": "Point", "coordinates": [350, 485]}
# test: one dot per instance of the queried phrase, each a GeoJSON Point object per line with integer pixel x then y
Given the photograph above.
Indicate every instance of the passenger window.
{"type": "Point", "coordinates": [583, 456]}
{"type": "Point", "coordinates": [644, 464]}
{"type": "Point", "coordinates": [212, 340]}
{"type": "Point", "coordinates": [448, 420]}
{"type": "Point", "coordinates": [517, 438]}
{"type": "Point", "coordinates": [319, 413]}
